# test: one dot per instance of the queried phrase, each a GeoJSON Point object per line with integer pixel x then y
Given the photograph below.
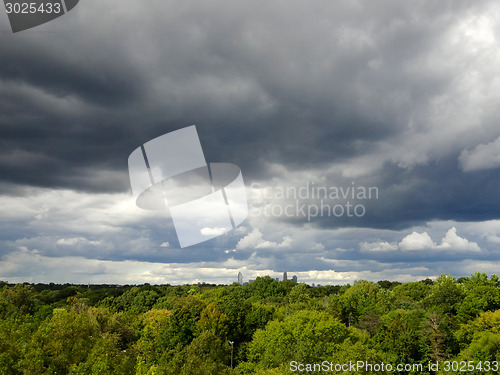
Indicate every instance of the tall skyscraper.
{"type": "Point", "coordinates": [240, 278]}
{"type": "Point", "coordinates": [294, 278]}
{"type": "Point", "coordinates": [285, 277]}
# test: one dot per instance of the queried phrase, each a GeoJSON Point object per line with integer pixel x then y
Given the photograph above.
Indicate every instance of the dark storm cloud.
{"type": "Point", "coordinates": [301, 86]}
{"type": "Point", "coordinates": [438, 190]}
{"type": "Point", "coordinates": [95, 81]}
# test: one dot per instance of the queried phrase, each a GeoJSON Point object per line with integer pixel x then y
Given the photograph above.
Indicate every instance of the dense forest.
{"type": "Point", "coordinates": [266, 327]}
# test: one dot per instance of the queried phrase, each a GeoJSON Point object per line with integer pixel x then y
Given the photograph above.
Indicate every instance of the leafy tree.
{"type": "Point", "coordinates": [207, 354]}
{"type": "Point", "coordinates": [18, 300]}
{"type": "Point", "coordinates": [485, 322]}
{"type": "Point", "coordinates": [180, 328]}
{"type": "Point", "coordinates": [257, 318]}
{"type": "Point", "coordinates": [299, 293]}
{"type": "Point", "coordinates": [265, 287]}
{"type": "Point", "coordinates": [51, 328]}
{"type": "Point", "coordinates": [64, 342]}
{"type": "Point", "coordinates": [355, 302]}
{"type": "Point", "coordinates": [235, 305]}
{"type": "Point", "coordinates": [15, 332]}
{"type": "Point", "coordinates": [359, 347]}
{"type": "Point", "coordinates": [445, 296]}
{"type": "Point", "coordinates": [435, 335]}
{"type": "Point", "coordinates": [371, 322]}
{"type": "Point", "coordinates": [485, 346]}
{"type": "Point", "coordinates": [137, 300]}
{"type": "Point", "coordinates": [480, 340]}
{"type": "Point", "coordinates": [399, 335]}
{"type": "Point", "coordinates": [306, 336]}
{"type": "Point", "coordinates": [386, 284]}
{"type": "Point", "coordinates": [105, 358]}
{"type": "Point", "coordinates": [413, 291]}
{"type": "Point", "coordinates": [212, 320]}
{"type": "Point", "coordinates": [479, 298]}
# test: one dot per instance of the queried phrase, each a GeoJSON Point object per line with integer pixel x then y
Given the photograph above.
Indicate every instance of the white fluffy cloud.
{"type": "Point", "coordinates": [417, 241]}
{"type": "Point", "coordinates": [453, 241]}
{"type": "Point", "coordinates": [422, 241]}
{"type": "Point", "coordinates": [255, 240]}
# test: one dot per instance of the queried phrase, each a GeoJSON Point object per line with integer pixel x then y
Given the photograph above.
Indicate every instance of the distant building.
{"type": "Point", "coordinates": [277, 279]}
{"type": "Point", "coordinates": [240, 278]}
{"type": "Point", "coordinates": [285, 277]}
{"type": "Point", "coordinates": [294, 278]}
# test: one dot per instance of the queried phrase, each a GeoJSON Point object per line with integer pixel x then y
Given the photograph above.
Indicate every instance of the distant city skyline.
{"type": "Point", "coordinates": [285, 278]}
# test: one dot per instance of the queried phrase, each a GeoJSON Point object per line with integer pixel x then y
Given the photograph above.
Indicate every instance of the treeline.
{"type": "Point", "coordinates": [149, 329]}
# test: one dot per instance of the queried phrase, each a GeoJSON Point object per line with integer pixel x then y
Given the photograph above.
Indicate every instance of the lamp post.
{"type": "Point", "coordinates": [231, 342]}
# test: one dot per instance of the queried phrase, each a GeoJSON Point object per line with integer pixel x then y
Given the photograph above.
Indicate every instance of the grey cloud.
{"type": "Point", "coordinates": [383, 93]}
{"type": "Point", "coordinates": [483, 156]}
{"type": "Point", "coordinates": [302, 89]}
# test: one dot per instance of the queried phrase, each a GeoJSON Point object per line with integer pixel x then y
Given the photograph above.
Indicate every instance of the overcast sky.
{"type": "Point", "coordinates": [400, 97]}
